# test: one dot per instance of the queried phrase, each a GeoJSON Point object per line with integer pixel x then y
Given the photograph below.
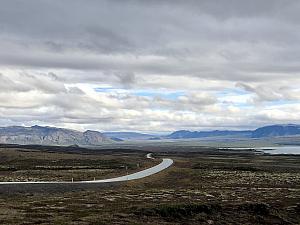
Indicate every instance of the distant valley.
{"type": "Point", "coordinates": [122, 136]}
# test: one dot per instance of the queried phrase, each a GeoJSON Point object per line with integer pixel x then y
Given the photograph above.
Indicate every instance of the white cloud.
{"type": "Point", "coordinates": [235, 64]}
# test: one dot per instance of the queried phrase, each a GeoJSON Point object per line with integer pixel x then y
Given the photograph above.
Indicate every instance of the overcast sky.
{"type": "Point", "coordinates": [149, 65]}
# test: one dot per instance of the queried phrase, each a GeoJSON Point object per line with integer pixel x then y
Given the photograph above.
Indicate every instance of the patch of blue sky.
{"type": "Point", "coordinates": [163, 94]}
{"type": "Point", "coordinates": [282, 102]}
{"type": "Point", "coordinates": [235, 97]}
{"type": "Point", "coordinates": [172, 95]}
{"type": "Point", "coordinates": [105, 89]}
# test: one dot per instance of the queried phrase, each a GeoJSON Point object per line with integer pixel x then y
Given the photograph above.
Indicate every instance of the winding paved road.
{"type": "Point", "coordinates": [138, 175]}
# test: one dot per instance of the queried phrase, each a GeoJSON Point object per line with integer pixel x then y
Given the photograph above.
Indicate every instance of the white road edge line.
{"type": "Point", "coordinates": [138, 175]}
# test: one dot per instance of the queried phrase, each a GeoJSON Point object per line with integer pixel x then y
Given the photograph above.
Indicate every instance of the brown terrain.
{"type": "Point", "coordinates": [204, 186]}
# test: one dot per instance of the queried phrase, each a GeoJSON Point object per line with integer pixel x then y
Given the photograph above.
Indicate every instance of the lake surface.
{"type": "Point", "coordinates": [295, 150]}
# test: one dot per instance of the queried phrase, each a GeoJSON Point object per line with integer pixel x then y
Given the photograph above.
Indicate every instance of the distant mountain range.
{"type": "Point", "coordinates": [128, 136]}
{"type": "Point", "coordinates": [59, 136]}
{"type": "Point", "coordinates": [50, 136]}
{"type": "Point", "coordinates": [262, 132]}
{"type": "Point", "coordinates": [276, 131]}
{"type": "Point", "coordinates": [185, 134]}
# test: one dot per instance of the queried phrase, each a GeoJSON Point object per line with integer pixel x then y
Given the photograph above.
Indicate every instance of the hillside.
{"type": "Point", "coordinates": [276, 131]}
{"type": "Point", "coordinates": [262, 132]}
{"type": "Point", "coordinates": [50, 136]}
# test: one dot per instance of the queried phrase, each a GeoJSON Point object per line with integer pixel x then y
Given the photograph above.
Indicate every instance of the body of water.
{"type": "Point", "coordinates": [295, 150]}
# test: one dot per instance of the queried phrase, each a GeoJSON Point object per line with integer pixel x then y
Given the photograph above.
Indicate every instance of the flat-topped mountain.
{"type": "Point", "coordinates": [262, 132]}
{"type": "Point", "coordinates": [276, 131]}
{"type": "Point", "coordinates": [50, 136]}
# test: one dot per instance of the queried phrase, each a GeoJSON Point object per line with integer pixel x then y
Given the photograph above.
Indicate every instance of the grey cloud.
{"type": "Point", "coordinates": [58, 51]}
{"type": "Point", "coordinates": [44, 82]}
{"type": "Point", "coordinates": [126, 79]}
{"type": "Point", "coordinates": [263, 93]}
{"type": "Point", "coordinates": [25, 82]}
{"type": "Point", "coordinates": [271, 93]}
{"type": "Point", "coordinates": [188, 28]}
{"type": "Point", "coordinates": [8, 85]}
{"type": "Point", "coordinates": [75, 90]}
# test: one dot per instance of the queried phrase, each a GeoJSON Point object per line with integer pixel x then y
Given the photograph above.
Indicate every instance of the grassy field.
{"type": "Point", "coordinates": [205, 186]}
{"type": "Point", "coordinates": [20, 164]}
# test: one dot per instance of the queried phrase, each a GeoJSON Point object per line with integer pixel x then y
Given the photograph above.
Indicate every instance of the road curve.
{"type": "Point", "coordinates": [134, 176]}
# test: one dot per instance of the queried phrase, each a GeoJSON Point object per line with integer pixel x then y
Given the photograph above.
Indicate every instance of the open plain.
{"type": "Point", "coordinates": [204, 186]}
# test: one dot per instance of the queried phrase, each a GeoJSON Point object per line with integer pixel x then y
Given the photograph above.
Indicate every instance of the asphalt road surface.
{"type": "Point", "coordinates": [134, 176]}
